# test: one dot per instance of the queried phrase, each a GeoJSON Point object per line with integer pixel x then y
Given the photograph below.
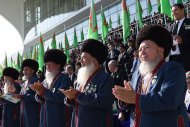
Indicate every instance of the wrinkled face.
{"type": "Point", "coordinates": [27, 71]}
{"type": "Point", "coordinates": [112, 68]}
{"type": "Point", "coordinates": [52, 67]}
{"type": "Point", "coordinates": [149, 51]}
{"type": "Point", "coordinates": [177, 13]}
{"type": "Point", "coordinates": [86, 59]}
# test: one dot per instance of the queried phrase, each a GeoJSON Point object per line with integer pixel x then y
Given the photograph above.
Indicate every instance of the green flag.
{"type": "Point", "coordinates": [104, 26]}
{"type": "Point", "coordinates": [82, 35]}
{"type": "Point", "coordinates": [61, 46]}
{"type": "Point", "coordinates": [93, 27]}
{"type": "Point", "coordinates": [179, 1]}
{"type": "Point", "coordinates": [166, 8]}
{"type": "Point", "coordinates": [125, 21]}
{"type": "Point", "coordinates": [149, 7]}
{"type": "Point", "coordinates": [12, 63]}
{"type": "Point", "coordinates": [118, 20]}
{"type": "Point", "coordinates": [75, 40]}
{"type": "Point", "coordinates": [34, 54]}
{"type": "Point", "coordinates": [110, 23]}
{"type": "Point", "coordinates": [41, 54]}
{"type": "Point", "coordinates": [25, 56]}
{"type": "Point", "coordinates": [18, 63]}
{"type": "Point", "coordinates": [20, 59]}
{"type": "Point", "coordinates": [53, 43]}
{"type": "Point", "coordinates": [67, 48]}
{"type": "Point", "coordinates": [139, 13]}
{"type": "Point", "coordinates": [1, 69]}
{"type": "Point", "coordinates": [159, 6]}
{"type": "Point", "coordinates": [5, 61]}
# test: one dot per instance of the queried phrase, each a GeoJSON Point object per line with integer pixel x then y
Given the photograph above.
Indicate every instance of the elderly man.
{"type": "Point", "coordinates": [30, 109]}
{"type": "Point", "coordinates": [93, 94]}
{"type": "Point", "coordinates": [11, 111]}
{"type": "Point", "coordinates": [118, 73]}
{"type": "Point", "coordinates": [54, 113]}
{"type": "Point", "coordinates": [158, 87]}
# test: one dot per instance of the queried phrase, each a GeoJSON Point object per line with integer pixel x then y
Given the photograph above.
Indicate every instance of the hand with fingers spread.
{"type": "Point", "coordinates": [71, 93]}
{"type": "Point", "coordinates": [38, 87]}
{"type": "Point", "coordinates": [126, 94]}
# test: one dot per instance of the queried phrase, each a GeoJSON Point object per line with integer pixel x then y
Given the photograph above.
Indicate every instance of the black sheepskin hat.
{"type": "Point", "coordinates": [11, 72]}
{"type": "Point", "coordinates": [55, 55]}
{"type": "Point", "coordinates": [159, 35]}
{"type": "Point", "coordinates": [95, 48]}
{"type": "Point", "coordinates": [30, 63]}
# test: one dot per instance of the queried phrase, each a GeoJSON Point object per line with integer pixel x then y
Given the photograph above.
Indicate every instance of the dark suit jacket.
{"type": "Point", "coordinates": [184, 47]}
{"type": "Point", "coordinates": [123, 59]}
{"type": "Point", "coordinates": [113, 56]}
{"type": "Point", "coordinates": [119, 76]}
{"type": "Point", "coordinates": [73, 78]}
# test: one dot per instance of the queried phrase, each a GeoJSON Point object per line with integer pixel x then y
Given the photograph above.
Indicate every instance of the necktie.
{"type": "Point", "coordinates": [175, 28]}
{"type": "Point", "coordinates": [175, 33]}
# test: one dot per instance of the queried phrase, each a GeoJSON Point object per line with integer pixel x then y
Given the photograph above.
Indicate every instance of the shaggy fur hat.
{"type": "Point", "coordinates": [95, 48]}
{"type": "Point", "coordinates": [11, 72]}
{"type": "Point", "coordinates": [159, 35]}
{"type": "Point", "coordinates": [55, 55]}
{"type": "Point", "coordinates": [30, 63]}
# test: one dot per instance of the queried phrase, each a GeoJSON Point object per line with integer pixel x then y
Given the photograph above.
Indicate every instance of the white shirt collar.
{"type": "Point", "coordinates": [180, 23]}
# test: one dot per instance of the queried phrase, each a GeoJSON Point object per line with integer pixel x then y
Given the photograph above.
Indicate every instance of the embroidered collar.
{"type": "Point", "coordinates": [144, 85]}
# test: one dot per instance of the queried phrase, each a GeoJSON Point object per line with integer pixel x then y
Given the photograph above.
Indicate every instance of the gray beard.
{"type": "Point", "coordinates": [147, 67]}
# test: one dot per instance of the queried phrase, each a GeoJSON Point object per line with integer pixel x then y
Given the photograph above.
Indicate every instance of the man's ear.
{"type": "Point", "coordinates": [161, 50]}
{"type": "Point", "coordinates": [33, 71]}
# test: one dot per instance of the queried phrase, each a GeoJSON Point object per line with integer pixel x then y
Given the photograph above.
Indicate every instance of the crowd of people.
{"type": "Point", "coordinates": [143, 83]}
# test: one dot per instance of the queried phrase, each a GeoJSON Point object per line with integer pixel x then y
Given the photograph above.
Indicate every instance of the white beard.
{"type": "Point", "coordinates": [26, 77]}
{"type": "Point", "coordinates": [84, 73]}
{"type": "Point", "coordinates": [147, 67]}
{"type": "Point", "coordinates": [5, 89]}
{"type": "Point", "coordinates": [49, 76]}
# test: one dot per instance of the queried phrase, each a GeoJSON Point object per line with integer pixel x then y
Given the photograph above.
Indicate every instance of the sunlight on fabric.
{"type": "Point", "coordinates": [10, 40]}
